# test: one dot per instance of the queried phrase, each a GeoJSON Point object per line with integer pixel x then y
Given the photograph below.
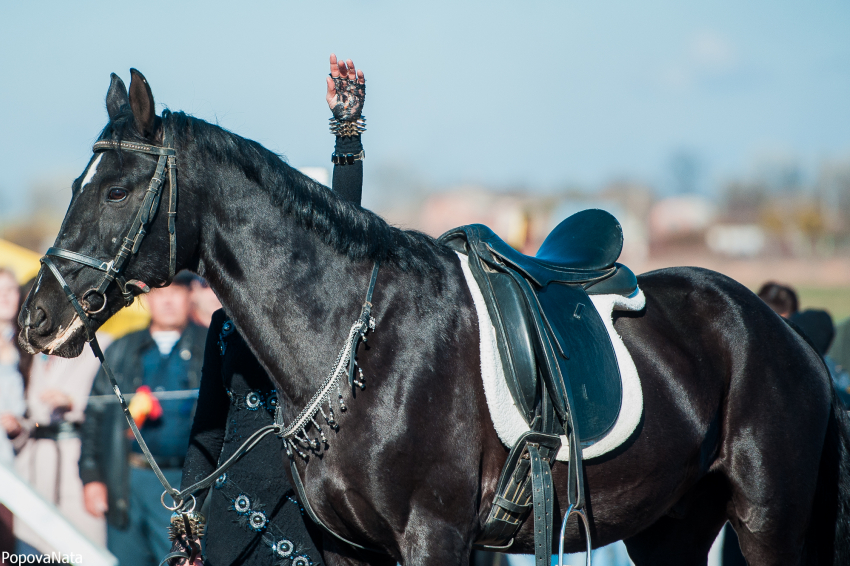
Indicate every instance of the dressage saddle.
{"type": "Point", "coordinates": [557, 357]}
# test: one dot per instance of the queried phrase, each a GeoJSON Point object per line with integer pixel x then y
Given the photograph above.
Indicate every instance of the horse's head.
{"type": "Point", "coordinates": [123, 196]}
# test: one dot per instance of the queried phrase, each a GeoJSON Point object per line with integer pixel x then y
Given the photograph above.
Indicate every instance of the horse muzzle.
{"type": "Point", "coordinates": [41, 331]}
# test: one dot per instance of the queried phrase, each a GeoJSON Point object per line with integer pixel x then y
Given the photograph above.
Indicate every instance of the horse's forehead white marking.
{"type": "Point", "coordinates": [90, 172]}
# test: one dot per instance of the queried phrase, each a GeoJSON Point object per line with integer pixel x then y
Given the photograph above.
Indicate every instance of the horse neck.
{"type": "Point", "coordinates": [291, 296]}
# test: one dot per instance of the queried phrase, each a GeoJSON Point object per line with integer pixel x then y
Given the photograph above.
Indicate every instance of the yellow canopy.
{"type": "Point", "coordinates": [20, 260]}
{"type": "Point", "coordinates": [24, 263]}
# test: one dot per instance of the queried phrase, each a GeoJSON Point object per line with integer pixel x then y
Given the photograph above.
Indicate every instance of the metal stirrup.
{"type": "Point", "coordinates": [582, 522]}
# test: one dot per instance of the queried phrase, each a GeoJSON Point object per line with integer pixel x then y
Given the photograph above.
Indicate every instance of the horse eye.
{"type": "Point", "coordinates": [116, 194]}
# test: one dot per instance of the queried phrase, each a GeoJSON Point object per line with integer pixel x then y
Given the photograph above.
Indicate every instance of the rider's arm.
{"type": "Point", "coordinates": [345, 96]}
{"type": "Point", "coordinates": [348, 179]}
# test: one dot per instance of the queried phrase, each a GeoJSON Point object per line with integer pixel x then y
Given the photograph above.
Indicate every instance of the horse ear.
{"type": "Point", "coordinates": [141, 102]}
{"type": "Point", "coordinates": [116, 97]}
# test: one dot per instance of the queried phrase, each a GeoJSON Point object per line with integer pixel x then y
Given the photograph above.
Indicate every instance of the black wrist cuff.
{"type": "Point", "coordinates": [347, 158]}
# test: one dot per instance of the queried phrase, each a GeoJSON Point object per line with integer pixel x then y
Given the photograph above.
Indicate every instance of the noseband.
{"type": "Point", "coordinates": [113, 269]}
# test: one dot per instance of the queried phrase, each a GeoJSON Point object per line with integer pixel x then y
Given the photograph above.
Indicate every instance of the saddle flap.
{"type": "Point", "coordinates": [591, 370]}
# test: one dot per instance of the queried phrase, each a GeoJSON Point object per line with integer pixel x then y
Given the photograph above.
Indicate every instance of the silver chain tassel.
{"type": "Point", "coordinates": [296, 434]}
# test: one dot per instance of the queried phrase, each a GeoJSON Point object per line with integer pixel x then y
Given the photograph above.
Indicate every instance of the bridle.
{"type": "Point", "coordinates": [113, 269]}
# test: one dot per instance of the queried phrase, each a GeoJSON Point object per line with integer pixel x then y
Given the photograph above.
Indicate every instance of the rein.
{"type": "Point", "coordinates": [113, 269]}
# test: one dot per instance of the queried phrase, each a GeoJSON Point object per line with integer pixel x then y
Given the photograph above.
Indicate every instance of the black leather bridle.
{"type": "Point", "coordinates": [113, 269]}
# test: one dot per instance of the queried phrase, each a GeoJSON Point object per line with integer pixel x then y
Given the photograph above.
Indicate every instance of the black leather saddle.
{"type": "Point", "coordinates": [546, 326]}
{"type": "Point", "coordinates": [558, 359]}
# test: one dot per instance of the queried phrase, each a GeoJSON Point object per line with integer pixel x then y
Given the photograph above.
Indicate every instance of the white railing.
{"type": "Point", "coordinates": [65, 540]}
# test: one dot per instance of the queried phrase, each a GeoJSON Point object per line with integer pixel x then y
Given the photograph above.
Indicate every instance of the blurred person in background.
{"type": "Point", "coordinates": [204, 302]}
{"type": "Point", "coordinates": [781, 298]}
{"type": "Point", "coordinates": [118, 482]}
{"type": "Point", "coordinates": [12, 381]}
{"type": "Point", "coordinates": [12, 406]}
{"type": "Point", "coordinates": [818, 327]}
{"type": "Point", "coordinates": [49, 443]}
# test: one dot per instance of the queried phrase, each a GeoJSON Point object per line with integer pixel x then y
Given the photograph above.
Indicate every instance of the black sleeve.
{"type": "Point", "coordinates": [348, 179]}
{"type": "Point", "coordinates": [207, 436]}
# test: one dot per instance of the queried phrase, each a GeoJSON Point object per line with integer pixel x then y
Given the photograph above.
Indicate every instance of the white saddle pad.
{"type": "Point", "coordinates": [506, 417]}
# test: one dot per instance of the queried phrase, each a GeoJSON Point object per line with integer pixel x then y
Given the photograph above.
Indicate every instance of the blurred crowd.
{"type": "Point", "coordinates": [63, 432]}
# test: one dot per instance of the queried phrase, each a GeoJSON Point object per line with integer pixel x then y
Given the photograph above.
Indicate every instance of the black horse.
{"type": "Point", "coordinates": [740, 422]}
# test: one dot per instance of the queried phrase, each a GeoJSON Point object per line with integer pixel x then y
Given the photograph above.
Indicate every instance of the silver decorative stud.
{"type": "Point", "coordinates": [242, 504]}
{"type": "Point", "coordinates": [253, 400]}
{"type": "Point", "coordinates": [257, 521]}
{"type": "Point", "coordinates": [271, 402]}
{"type": "Point", "coordinates": [283, 548]}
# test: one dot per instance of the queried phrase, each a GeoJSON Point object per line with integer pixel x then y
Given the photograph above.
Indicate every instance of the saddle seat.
{"type": "Point", "coordinates": [582, 249]}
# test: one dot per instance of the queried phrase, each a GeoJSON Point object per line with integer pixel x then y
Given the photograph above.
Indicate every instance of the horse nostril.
{"type": "Point", "coordinates": [39, 319]}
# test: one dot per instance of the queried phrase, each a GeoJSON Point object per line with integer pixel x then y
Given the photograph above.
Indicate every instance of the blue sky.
{"type": "Point", "coordinates": [535, 94]}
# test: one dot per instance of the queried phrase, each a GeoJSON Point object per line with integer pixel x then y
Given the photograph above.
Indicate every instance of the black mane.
{"type": "Point", "coordinates": [351, 230]}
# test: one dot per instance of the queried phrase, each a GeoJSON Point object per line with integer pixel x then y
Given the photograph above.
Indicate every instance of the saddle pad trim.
{"type": "Point", "coordinates": [506, 417]}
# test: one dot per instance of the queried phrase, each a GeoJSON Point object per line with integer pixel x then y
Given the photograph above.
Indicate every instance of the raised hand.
{"type": "Point", "coordinates": [346, 90]}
